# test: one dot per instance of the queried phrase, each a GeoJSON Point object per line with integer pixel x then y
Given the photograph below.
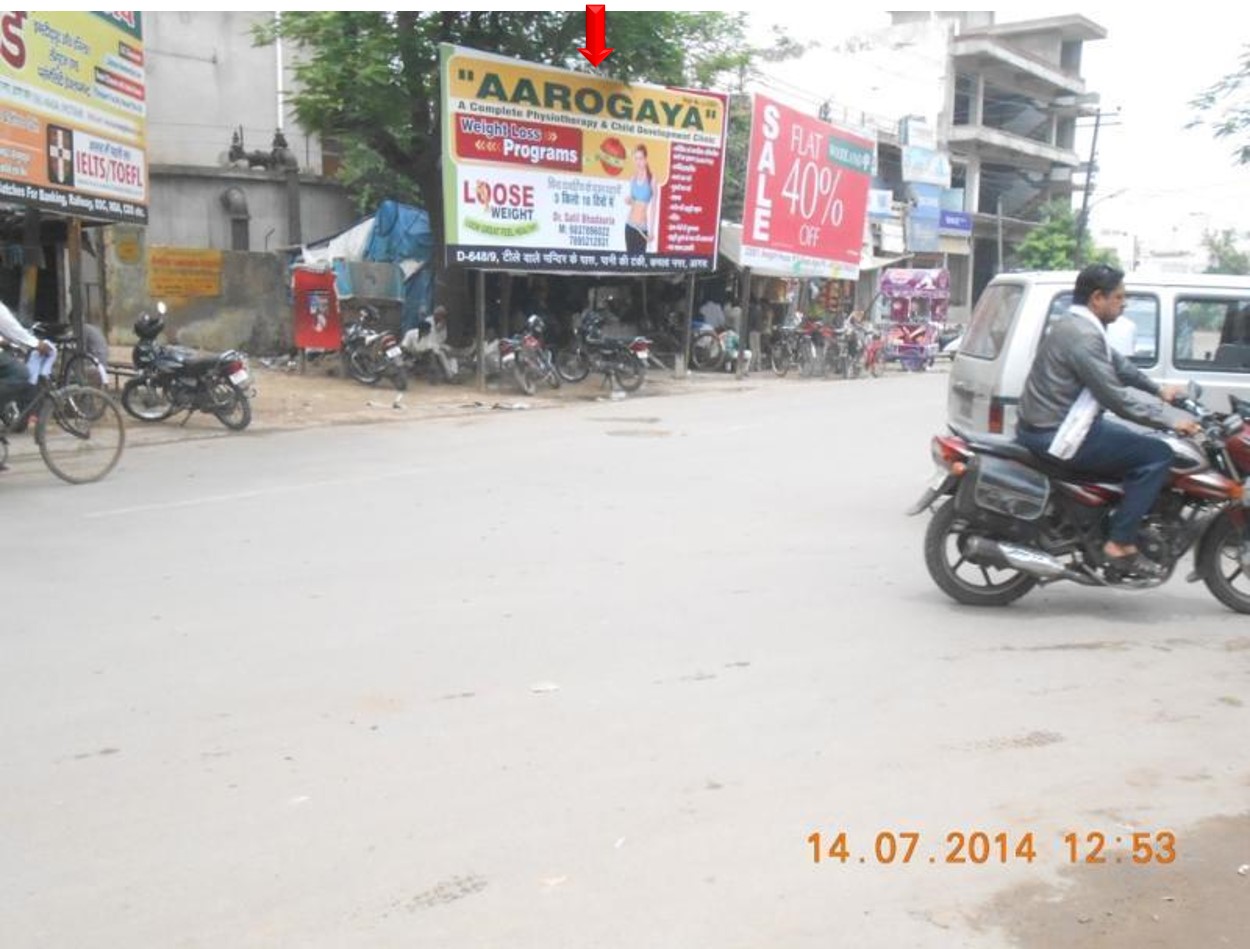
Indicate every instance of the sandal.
{"type": "Point", "coordinates": [1136, 565]}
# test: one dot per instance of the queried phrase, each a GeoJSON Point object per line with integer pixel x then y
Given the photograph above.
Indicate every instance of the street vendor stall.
{"type": "Point", "coordinates": [917, 302]}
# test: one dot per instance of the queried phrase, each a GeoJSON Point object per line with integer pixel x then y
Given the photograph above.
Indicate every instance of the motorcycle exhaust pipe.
{"type": "Point", "coordinates": [1028, 560]}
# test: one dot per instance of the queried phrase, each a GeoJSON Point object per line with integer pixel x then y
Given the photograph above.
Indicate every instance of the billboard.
{"type": "Point", "coordinates": [548, 169]}
{"type": "Point", "coordinates": [807, 194]}
{"type": "Point", "coordinates": [73, 114]}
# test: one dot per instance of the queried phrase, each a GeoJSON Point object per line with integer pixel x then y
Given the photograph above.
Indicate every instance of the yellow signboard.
{"type": "Point", "coordinates": [547, 169]}
{"type": "Point", "coordinates": [73, 114]}
{"type": "Point", "coordinates": [182, 272]}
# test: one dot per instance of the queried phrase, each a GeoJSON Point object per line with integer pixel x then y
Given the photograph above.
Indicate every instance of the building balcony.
{"type": "Point", "coordinates": [995, 145]}
{"type": "Point", "coordinates": [992, 58]}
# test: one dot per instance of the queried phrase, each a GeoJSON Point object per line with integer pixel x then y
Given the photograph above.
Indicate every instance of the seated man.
{"type": "Point", "coordinates": [1075, 376]}
{"type": "Point", "coordinates": [431, 336]}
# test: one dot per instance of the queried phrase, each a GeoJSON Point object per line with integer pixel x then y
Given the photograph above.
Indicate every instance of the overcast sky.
{"type": "Point", "coordinates": [1150, 65]}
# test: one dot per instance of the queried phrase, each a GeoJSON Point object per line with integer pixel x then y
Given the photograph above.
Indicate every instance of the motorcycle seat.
{"type": "Point", "coordinates": [1005, 446]}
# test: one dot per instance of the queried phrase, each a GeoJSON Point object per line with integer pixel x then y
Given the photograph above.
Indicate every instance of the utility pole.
{"type": "Point", "coordinates": [1089, 186]}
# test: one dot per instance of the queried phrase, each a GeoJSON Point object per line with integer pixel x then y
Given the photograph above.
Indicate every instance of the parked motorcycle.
{"type": "Point", "coordinates": [1012, 520]}
{"type": "Point", "coordinates": [178, 379]}
{"type": "Point", "coordinates": [618, 359]}
{"type": "Point", "coordinates": [528, 359]}
{"type": "Point", "coordinates": [370, 352]}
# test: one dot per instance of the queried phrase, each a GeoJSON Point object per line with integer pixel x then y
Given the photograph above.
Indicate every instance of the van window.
{"type": "Point", "coordinates": [991, 321]}
{"type": "Point", "coordinates": [1141, 310]}
{"type": "Point", "coordinates": [1213, 334]}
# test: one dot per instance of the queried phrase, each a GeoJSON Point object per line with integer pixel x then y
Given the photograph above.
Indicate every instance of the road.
{"type": "Point", "coordinates": [587, 677]}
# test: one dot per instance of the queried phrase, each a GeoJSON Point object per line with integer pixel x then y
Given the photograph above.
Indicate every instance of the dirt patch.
{"type": "Point", "coordinates": [1201, 899]}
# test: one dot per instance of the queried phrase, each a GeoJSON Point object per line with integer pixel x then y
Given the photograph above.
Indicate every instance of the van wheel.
{"type": "Point", "coordinates": [960, 579]}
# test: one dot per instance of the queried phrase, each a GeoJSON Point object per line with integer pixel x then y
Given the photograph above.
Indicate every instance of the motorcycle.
{"type": "Point", "coordinates": [619, 360]}
{"type": "Point", "coordinates": [178, 379]}
{"type": "Point", "coordinates": [1014, 520]}
{"type": "Point", "coordinates": [528, 359]}
{"type": "Point", "coordinates": [370, 352]}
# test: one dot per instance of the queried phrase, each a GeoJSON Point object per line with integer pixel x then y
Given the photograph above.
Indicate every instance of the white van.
{"type": "Point", "coordinates": [1183, 327]}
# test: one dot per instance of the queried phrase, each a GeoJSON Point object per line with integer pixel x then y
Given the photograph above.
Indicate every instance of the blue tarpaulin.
{"type": "Point", "coordinates": [397, 234]}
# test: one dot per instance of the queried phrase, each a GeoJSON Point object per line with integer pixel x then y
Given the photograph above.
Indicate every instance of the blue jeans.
{"type": "Point", "coordinates": [1115, 452]}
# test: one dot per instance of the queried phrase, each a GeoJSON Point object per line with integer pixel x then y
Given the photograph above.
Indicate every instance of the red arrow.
{"type": "Point", "coordinates": [596, 35]}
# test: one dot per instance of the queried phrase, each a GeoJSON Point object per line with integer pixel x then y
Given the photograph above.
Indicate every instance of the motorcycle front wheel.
{"type": "Point", "coordinates": [523, 378]}
{"type": "Point", "coordinates": [146, 400]}
{"type": "Point", "coordinates": [781, 357]}
{"type": "Point", "coordinates": [963, 581]}
{"type": "Point", "coordinates": [706, 351]}
{"type": "Point", "coordinates": [1222, 568]}
{"type": "Point", "coordinates": [572, 365]}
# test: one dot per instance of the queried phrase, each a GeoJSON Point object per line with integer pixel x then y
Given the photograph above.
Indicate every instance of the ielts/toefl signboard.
{"type": "Point", "coordinates": [73, 114]}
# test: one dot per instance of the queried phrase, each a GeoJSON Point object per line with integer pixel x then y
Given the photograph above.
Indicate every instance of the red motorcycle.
{"type": "Point", "coordinates": [528, 358]}
{"type": "Point", "coordinates": [1013, 520]}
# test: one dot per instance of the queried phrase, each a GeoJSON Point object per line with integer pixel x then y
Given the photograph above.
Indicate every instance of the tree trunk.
{"type": "Point", "coordinates": [451, 285]}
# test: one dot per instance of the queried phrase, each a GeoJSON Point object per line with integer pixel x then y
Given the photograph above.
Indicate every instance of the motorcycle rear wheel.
{"type": "Point", "coordinates": [233, 408]}
{"type": "Point", "coordinates": [629, 372]}
{"type": "Point", "coordinates": [943, 540]}
{"type": "Point", "coordinates": [358, 365]}
{"type": "Point", "coordinates": [1221, 566]}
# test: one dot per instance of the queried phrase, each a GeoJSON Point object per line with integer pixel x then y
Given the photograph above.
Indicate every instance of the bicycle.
{"type": "Point", "coordinates": [74, 365]}
{"type": "Point", "coordinates": [79, 429]}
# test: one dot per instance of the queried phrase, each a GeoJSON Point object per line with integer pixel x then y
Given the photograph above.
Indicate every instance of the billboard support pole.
{"type": "Point", "coordinates": [744, 335]}
{"type": "Point", "coordinates": [682, 366]}
{"type": "Point", "coordinates": [77, 317]}
{"type": "Point", "coordinates": [481, 331]}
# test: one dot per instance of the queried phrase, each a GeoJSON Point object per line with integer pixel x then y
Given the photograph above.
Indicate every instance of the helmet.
{"type": "Point", "coordinates": [148, 326]}
{"type": "Point", "coordinates": [535, 325]}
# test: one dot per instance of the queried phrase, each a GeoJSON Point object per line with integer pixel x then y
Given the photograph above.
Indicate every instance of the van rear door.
{"type": "Point", "coordinates": [975, 373]}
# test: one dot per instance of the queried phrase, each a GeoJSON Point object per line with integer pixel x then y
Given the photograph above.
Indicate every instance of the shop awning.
{"type": "Point", "coordinates": [868, 262]}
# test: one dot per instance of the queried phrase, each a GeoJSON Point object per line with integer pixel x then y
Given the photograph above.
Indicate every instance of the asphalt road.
{"type": "Point", "coordinates": [587, 677]}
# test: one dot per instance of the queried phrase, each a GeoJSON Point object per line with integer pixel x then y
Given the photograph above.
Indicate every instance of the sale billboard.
{"type": "Point", "coordinates": [73, 108]}
{"type": "Point", "coordinates": [806, 194]}
{"type": "Point", "coordinates": [553, 170]}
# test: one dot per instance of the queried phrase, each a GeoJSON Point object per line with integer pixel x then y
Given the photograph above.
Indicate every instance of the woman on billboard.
{"type": "Point", "coordinates": [644, 206]}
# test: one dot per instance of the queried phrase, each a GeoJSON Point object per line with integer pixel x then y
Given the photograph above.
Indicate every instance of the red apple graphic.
{"type": "Point", "coordinates": [612, 156]}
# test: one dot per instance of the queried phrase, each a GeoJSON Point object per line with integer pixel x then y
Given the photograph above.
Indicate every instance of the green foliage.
{"type": "Point", "coordinates": [1052, 245]}
{"type": "Point", "coordinates": [1224, 107]}
{"type": "Point", "coordinates": [1223, 255]}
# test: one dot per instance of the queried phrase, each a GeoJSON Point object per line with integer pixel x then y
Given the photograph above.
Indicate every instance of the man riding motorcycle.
{"type": "Point", "coordinates": [1075, 377]}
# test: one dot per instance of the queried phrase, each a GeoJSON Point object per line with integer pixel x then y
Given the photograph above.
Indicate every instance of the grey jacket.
{"type": "Point", "coordinates": [1073, 356]}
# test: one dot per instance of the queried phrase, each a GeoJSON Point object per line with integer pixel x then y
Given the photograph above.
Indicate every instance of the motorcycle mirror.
{"type": "Point", "coordinates": [1194, 390]}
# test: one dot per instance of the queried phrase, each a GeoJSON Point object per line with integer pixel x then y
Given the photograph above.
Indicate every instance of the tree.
{"type": "Point", "coordinates": [1223, 255]}
{"type": "Point", "coordinates": [1052, 244]}
{"type": "Point", "coordinates": [1224, 106]}
{"type": "Point", "coordinates": [370, 80]}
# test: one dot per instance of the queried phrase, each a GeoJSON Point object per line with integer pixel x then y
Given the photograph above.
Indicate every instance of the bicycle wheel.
{"type": "Point", "coordinates": [83, 369]}
{"type": "Point", "coordinates": [80, 433]}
